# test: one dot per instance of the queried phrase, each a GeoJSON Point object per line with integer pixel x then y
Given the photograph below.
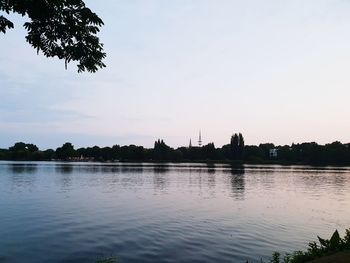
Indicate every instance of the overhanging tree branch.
{"type": "Point", "coordinates": [66, 29]}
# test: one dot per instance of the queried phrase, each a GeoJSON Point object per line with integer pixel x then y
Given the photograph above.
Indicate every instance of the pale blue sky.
{"type": "Point", "coordinates": [277, 71]}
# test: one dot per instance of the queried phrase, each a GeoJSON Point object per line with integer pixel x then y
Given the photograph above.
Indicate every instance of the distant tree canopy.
{"type": "Point", "coordinates": [20, 146]}
{"type": "Point", "coordinates": [59, 28]}
{"type": "Point", "coordinates": [312, 153]}
{"type": "Point", "coordinates": [66, 151]}
{"type": "Point", "coordinates": [237, 146]}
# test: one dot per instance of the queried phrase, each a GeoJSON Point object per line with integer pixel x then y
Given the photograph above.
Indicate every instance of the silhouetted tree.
{"type": "Point", "coordinates": [237, 146]}
{"type": "Point", "coordinates": [161, 151]}
{"type": "Point", "coordinates": [234, 146]}
{"type": "Point", "coordinates": [132, 152]}
{"type": "Point", "coordinates": [65, 29]}
{"type": "Point", "coordinates": [253, 153]}
{"type": "Point", "coordinates": [23, 151]}
{"type": "Point", "coordinates": [226, 152]}
{"type": "Point", "coordinates": [66, 151]}
{"type": "Point", "coordinates": [334, 153]}
{"type": "Point", "coordinates": [18, 146]}
{"type": "Point", "coordinates": [116, 152]}
{"type": "Point", "coordinates": [240, 146]}
{"type": "Point", "coordinates": [48, 155]}
{"type": "Point", "coordinates": [208, 151]}
{"type": "Point", "coordinates": [4, 155]}
{"type": "Point", "coordinates": [266, 147]}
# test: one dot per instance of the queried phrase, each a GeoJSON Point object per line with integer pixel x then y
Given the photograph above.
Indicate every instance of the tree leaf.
{"type": "Point", "coordinates": [335, 240]}
{"type": "Point", "coordinates": [323, 242]}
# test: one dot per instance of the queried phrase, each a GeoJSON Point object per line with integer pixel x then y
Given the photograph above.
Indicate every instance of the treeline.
{"type": "Point", "coordinates": [334, 153]}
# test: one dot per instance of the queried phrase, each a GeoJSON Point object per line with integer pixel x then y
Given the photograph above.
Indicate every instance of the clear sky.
{"type": "Point", "coordinates": [277, 71]}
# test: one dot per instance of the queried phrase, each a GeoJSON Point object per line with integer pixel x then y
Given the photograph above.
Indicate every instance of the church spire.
{"type": "Point", "coordinates": [190, 145]}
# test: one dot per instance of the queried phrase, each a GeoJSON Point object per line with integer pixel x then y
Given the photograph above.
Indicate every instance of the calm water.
{"type": "Point", "coordinates": [60, 212]}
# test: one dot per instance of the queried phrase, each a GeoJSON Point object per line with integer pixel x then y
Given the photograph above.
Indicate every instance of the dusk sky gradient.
{"type": "Point", "coordinates": [277, 71]}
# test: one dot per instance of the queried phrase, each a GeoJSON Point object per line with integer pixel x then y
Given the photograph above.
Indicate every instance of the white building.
{"type": "Point", "coordinates": [273, 153]}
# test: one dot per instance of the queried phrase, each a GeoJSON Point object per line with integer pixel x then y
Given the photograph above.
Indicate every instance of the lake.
{"type": "Point", "coordinates": [82, 212]}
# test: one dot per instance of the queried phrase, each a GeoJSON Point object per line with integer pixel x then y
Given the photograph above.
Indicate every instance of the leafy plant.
{"type": "Point", "coordinates": [326, 247]}
{"type": "Point", "coordinates": [107, 260]}
{"type": "Point", "coordinates": [65, 29]}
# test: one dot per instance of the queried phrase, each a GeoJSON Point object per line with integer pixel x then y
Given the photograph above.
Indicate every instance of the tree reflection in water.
{"type": "Point", "coordinates": [19, 168]}
{"type": "Point", "coordinates": [64, 168]}
{"type": "Point", "coordinates": [65, 178]}
{"type": "Point", "coordinates": [237, 182]}
{"type": "Point", "coordinates": [160, 179]}
{"type": "Point", "coordinates": [23, 174]}
{"type": "Point", "coordinates": [211, 175]}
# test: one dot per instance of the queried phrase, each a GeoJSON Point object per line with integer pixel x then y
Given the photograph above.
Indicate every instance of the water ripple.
{"type": "Point", "coordinates": [59, 212]}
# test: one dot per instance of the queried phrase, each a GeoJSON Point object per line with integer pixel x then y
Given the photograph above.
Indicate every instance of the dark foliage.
{"type": "Point", "coordinates": [59, 28]}
{"type": "Point", "coordinates": [66, 151]}
{"type": "Point", "coordinates": [334, 153]}
{"type": "Point", "coordinates": [314, 251]}
{"type": "Point", "coordinates": [237, 146]}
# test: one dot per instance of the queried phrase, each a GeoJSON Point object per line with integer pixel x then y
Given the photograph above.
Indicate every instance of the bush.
{"type": "Point", "coordinates": [325, 248]}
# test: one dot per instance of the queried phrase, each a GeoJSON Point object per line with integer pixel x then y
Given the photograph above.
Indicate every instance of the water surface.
{"type": "Point", "coordinates": [80, 212]}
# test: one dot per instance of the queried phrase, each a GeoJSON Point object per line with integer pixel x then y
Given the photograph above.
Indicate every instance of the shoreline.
{"type": "Point", "coordinates": [208, 162]}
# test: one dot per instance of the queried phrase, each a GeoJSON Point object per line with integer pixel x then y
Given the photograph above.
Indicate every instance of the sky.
{"type": "Point", "coordinates": [276, 71]}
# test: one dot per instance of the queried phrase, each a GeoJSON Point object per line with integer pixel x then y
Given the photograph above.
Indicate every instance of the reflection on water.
{"type": "Point", "coordinates": [76, 212]}
{"type": "Point", "coordinates": [22, 168]}
{"type": "Point", "coordinates": [160, 181]}
{"type": "Point", "coordinates": [211, 168]}
{"type": "Point", "coordinates": [237, 182]}
{"type": "Point", "coordinates": [161, 168]}
{"type": "Point", "coordinates": [64, 168]}
{"type": "Point", "coordinates": [23, 176]}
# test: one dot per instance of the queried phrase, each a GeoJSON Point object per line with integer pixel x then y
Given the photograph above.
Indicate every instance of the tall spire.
{"type": "Point", "coordinates": [200, 139]}
{"type": "Point", "coordinates": [190, 145]}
